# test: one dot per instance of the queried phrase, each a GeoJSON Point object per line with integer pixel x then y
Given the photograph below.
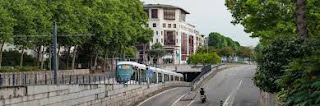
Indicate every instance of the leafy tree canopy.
{"type": "Point", "coordinates": [219, 41]}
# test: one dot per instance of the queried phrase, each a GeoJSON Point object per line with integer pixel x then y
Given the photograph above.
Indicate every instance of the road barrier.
{"type": "Point", "coordinates": [205, 71]}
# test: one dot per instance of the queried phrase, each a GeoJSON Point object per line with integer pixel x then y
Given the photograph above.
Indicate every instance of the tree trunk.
{"type": "Point", "coordinates": [96, 61]}
{"type": "Point", "coordinates": [91, 61]}
{"type": "Point", "coordinates": [144, 54]}
{"type": "Point", "coordinates": [68, 56]}
{"type": "Point", "coordinates": [104, 66]}
{"type": "Point", "coordinates": [50, 57]}
{"type": "Point", "coordinates": [107, 64]}
{"type": "Point", "coordinates": [42, 57]}
{"type": "Point", "coordinates": [301, 18]}
{"type": "Point", "coordinates": [74, 57]}
{"type": "Point", "coordinates": [21, 57]}
{"type": "Point", "coordinates": [58, 56]}
{"type": "Point", "coordinates": [112, 62]}
{"type": "Point", "coordinates": [1, 51]}
{"type": "Point", "coordinates": [38, 56]}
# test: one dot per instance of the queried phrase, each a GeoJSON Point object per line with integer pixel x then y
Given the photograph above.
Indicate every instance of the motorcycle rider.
{"type": "Point", "coordinates": [202, 95]}
{"type": "Point", "coordinates": [202, 91]}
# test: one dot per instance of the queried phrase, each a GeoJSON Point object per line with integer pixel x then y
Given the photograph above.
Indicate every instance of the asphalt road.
{"type": "Point", "coordinates": [166, 98]}
{"type": "Point", "coordinates": [233, 86]}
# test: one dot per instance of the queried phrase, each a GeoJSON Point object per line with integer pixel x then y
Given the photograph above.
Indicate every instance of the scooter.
{"type": "Point", "coordinates": [203, 98]}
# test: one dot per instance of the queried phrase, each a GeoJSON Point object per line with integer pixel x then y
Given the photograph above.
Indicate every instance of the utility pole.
{"type": "Point", "coordinates": [54, 54]}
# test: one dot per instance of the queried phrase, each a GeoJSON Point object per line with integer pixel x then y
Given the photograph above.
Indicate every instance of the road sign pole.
{"type": "Point", "coordinates": [54, 43]}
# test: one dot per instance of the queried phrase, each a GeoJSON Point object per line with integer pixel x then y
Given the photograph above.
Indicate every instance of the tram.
{"type": "Point", "coordinates": [128, 70]}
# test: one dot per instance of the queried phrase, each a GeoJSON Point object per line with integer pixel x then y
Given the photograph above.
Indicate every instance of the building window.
{"type": "Point", "coordinates": [154, 25]}
{"type": "Point", "coordinates": [161, 32]}
{"type": "Point", "coordinates": [156, 32]}
{"type": "Point", "coordinates": [154, 13]}
{"type": "Point", "coordinates": [174, 26]}
{"type": "Point", "coordinates": [164, 25]}
{"type": "Point", "coordinates": [161, 40]}
{"type": "Point", "coordinates": [169, 14]}
{"type": "Point", "coordinates": [157, 40]}
{"type": "Point", "coordinates": [169, 38]}
{"type": "Point", "coordinates": [177, 41]}
{"type": "Point", "coordinates": [169, 25]}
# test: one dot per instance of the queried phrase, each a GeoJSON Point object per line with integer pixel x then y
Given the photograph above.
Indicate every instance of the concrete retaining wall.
{"type": "Point", "coordinates": [79, 95]}
{"type": "Point", "coordinates": [268, 99]}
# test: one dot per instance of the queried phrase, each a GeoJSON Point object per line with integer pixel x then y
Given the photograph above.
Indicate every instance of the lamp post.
{"type": "Point", "coordinates": [54, 55]}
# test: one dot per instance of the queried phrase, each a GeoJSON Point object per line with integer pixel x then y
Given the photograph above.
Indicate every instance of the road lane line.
{"type": "Point", "coordinates": [179, 99]}
{"type": "Point", "coordinates": [155, 96]}
{"type": "Point", "coordinates": [190, 102]}
{"type": "Point", "coordinates": [232, 94]}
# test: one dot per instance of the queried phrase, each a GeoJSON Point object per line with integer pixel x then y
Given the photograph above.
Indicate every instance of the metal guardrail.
{"type": "Point", "coordinates": [17, 79]}
{"type": "Point", "coordinates": [22, 79]}
{"type": "Point", "coordinates": [204, 73]}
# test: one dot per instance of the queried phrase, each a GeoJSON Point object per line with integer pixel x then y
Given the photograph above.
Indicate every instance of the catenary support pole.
{"type": "Point", "coordinates": [54, 50]}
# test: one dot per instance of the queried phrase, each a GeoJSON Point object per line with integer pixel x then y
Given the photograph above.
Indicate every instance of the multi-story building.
{"type": "Point", "coordinates": [179, 38]}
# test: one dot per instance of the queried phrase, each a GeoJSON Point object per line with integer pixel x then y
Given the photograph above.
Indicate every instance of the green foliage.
{"type": "Point", "coordinates": [204, 58]}
{"type": "Point", "coordinates": [244, 52]}
{"type": "Point", "coordinates": [286, 65]}
{"type": "Point", "coordinates": [227, 51]}
{"type": "Point", "coordinates": [219, 41]}
{"type": "Point", "coordinates": [263, 18]}
{"type": "Point", "coordinates": [115, 24]}
{"type": "Point", "coordinates": [156, 51]}
{"type": "Point", "coordinates": [130, 52]}
{"type": "Point", "coordinates": [268, 18]}
{"type": "Point", "coordinates": [272, 60]}
{"type": "Point", "coordinates": [225, 46]}
{"type": "Point", "coordinates": [6, 25]}
{"type": "Point", "coordinates": [259, 48]}
{"type": "Point", "coordinates": [301, 77]}
{"type": "Point", "coordinates": [206, 49]}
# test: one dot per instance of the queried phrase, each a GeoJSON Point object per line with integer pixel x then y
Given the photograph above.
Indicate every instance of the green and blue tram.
{"type": "Point", "coordinates": [127, 70]}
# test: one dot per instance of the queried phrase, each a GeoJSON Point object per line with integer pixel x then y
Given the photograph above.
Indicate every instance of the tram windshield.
{"type": "Point", "coordinates": [123, 73]}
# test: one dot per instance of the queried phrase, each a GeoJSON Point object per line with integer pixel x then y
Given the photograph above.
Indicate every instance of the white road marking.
{"type": "Point", "coordinates": [178, 99]}
{"type": "Point", "coordinates": [229, 102]}
{"type": "Point", "coordinates": [190, 102]}
{"type": "Point", "coordinates": [155, 96]}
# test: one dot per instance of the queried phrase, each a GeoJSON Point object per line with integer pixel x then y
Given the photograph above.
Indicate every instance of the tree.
{"type": "Point", "coordinates": [219, 41]}
{"type": "Point", "coordinates": [204, 59]}
{"type": "Point", "coordinates": [206, 49]}
{"type": "Point", "coordinates": [6, 28]}
{"type": "Point", "coordinates": [259, 47]}
{"type": "Point", "coordinates": [24, 13]}
{"type": "Point", "coordinates": [268, 18]}
{"type": "Point", "coordinates": [244, 52]}
{"type": "Point", "coordinates": [274, 58]}
{"type": "Point", "coordinates": [228, 51]}
{"type": "Point", "coordinates": [43, 29]}
{"type": "Point", "coordinates": [157, 51]}
{"type": "Point", "coordinates": [287, 63]}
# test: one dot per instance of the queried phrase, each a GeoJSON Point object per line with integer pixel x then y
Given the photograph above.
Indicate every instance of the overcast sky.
{"type": "Point", "coordinates": [211, 16]}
